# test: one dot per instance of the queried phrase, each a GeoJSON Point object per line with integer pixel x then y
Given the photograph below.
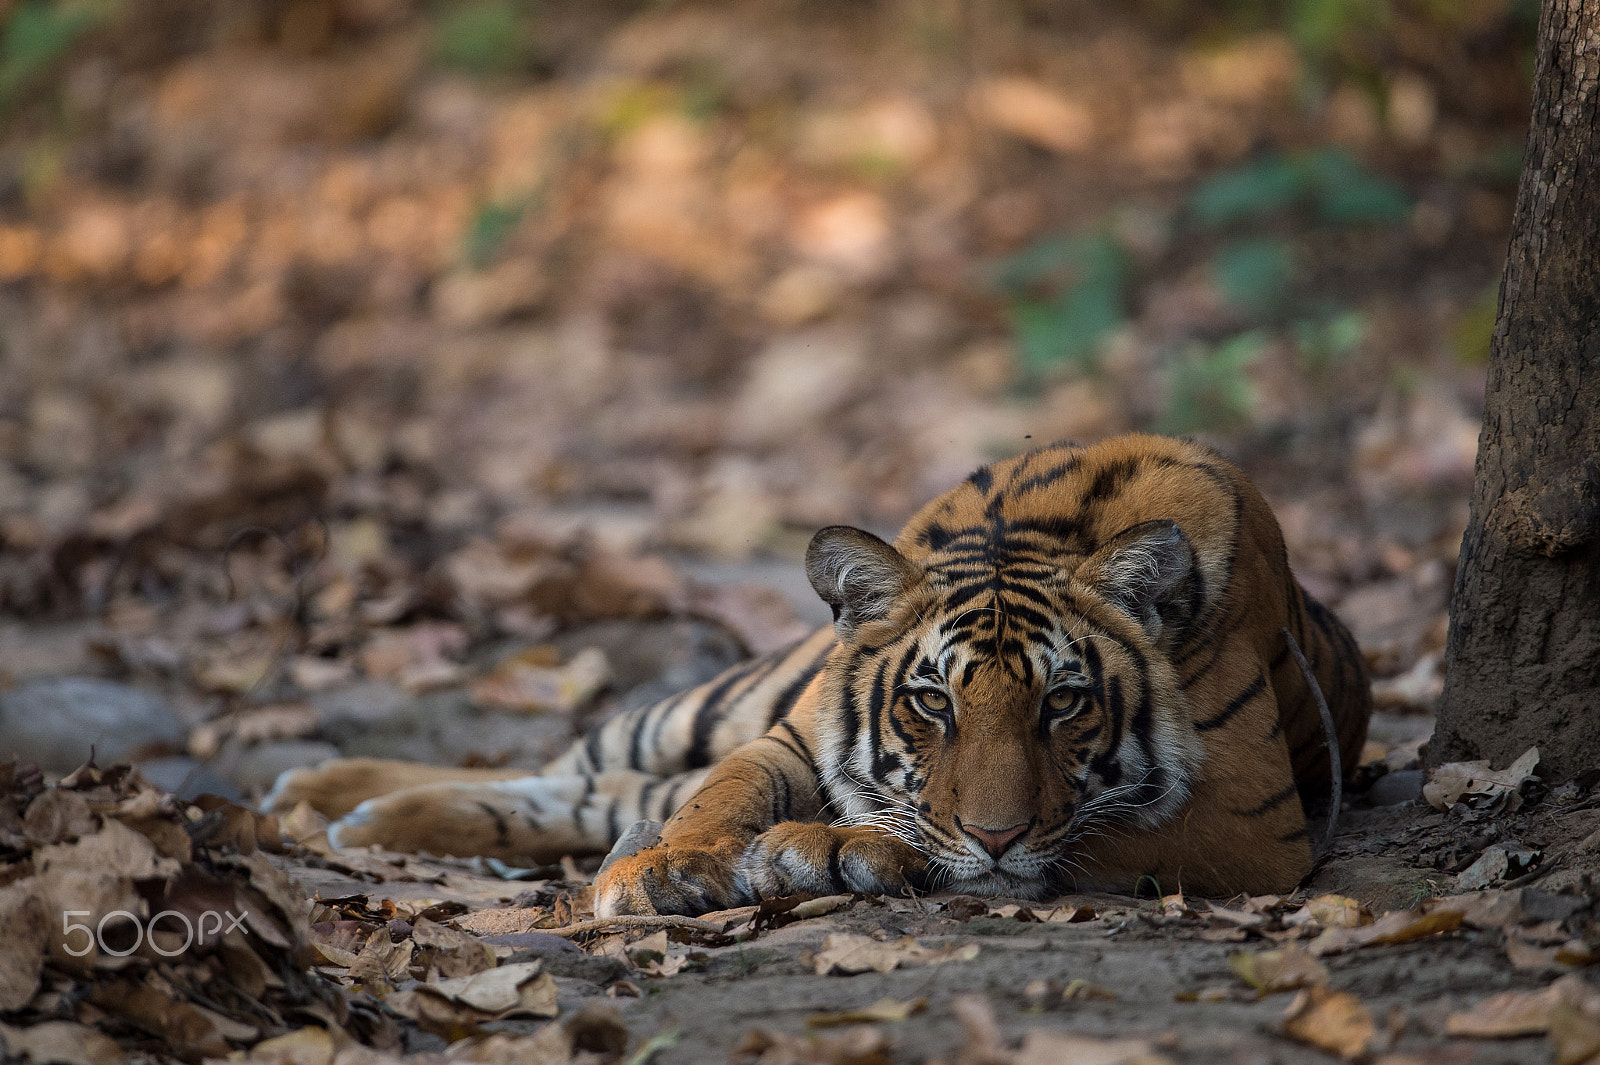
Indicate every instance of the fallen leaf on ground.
{"type": "Point", "coordinates": [1481, 909]}
{"type": "Point", "coordinates": [1400, 926]}
{"type": "Point", "coordinates": [1083, 989]}
{"type": "Point", "coordinates": [818, 906]}
{"type": "Point", "coordinates": [885, 1009]}
{"type": "Point", "coordinates": [855, 1046]}
{"type": "Point", "coordinates": [1508, 1014]}
{"type": "Point", "coordinates": [527, 684]}
{"type": "Point", "coordinates": [60, 1041]}
{"type": "Point", "coordinates": [381, 960]}
{"type": "Point", "coordinates": [1330, 911]}
{"type": "Point", "coordinates": [1517, 1013]}
{"type": "Point", "coordinates": [1335, 1021]}
{"type": "Point", "coordinates": [1284, 969]}
{"type": "Point", "coordinates": [287, 722]}
{"type": "Point", "coordinates": [519, 990]}
{"type": "Point", "coordinates": [846, 953]}
{"type": "Point", "coordinates": [1576, 1035]}
{"type": "Point", "coordinates": [1478, 785]}
{"type": "Point", "coordinates": [1041, 1046]}
{"type": "Point", "coordinates": [24, 936]}
{"type": "Point", "coordinates": [304, 1046]}
{"type": "Point", "coordinates": [981, 1041]}
{"type": "Point", "coordinates": [503, 922]}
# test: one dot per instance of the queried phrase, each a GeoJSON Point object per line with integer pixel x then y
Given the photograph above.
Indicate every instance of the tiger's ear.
{"type": "Point", "coordinates": [857, 574]}
{"type": "Point", "coordinates": [1147, 570]}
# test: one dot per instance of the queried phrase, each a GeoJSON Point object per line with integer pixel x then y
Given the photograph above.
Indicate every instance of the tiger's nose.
{"type": "Point", "coordinates": [996, 842]}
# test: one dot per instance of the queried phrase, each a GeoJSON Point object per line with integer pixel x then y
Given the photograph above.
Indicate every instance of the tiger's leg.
{"type": "Point", "coordinates": [532, 817]}
{"type": "Point", "coordinates": [339, 785]}
{"type": "Point", "coordinates": [1243, 828]}
{"type": "Point", "coordinates": [746, 834]}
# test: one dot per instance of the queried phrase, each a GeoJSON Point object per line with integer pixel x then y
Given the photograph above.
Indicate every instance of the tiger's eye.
{"type": "Point", "coordinates": [932, 701]}
{"type": "Point", "coordinates": [1061, 699]}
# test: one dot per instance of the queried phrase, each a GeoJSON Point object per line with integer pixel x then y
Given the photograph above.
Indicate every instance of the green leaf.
{"type": "Point", "coordinates": [483, 36]}
{"type": "Point", "coordinates": [1209, 388]}
{"type": "Point", "coordinates": [38, 33]}
{"type": "Point", "coordinates": [1069, 293]}
{"type": "Point", "coordinates": [1254, 190]}
{"type": "Point", "coordinates": [490, 227]}
{"type": "Point", "coordinates": [1346, 194]}
{"type": "Point", "coordinates": [1254, 273]}
{"type": "Point", "coordinates": [1322, 343]}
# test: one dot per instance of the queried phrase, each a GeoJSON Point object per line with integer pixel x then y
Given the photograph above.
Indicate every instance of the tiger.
{"type": "Point", "coordinates": [1073, 671]}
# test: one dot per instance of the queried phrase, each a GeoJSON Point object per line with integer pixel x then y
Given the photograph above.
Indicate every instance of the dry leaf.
{"type": "Point", "coordinates": [818, 906]}
{"type": "Point", "coordinates": [855, 1046]}
{"type": "Point", "coordinates": [885, 1009]}
{"type": "Point", "coordinates": [304, 1046]}
{"type": "Point", "coordinates": [61, 1041]}
{"type": "Point", "coordinates": [1508, 1014]}
{"type": "Point", "coordinates": [1478, 785]}
{"type": "Point", "coordinates": [981, 1041]}
{"type": "Point", "coordinates": [289, 721]}
{"type": "Point", "coordinates": [1482, 909]}
{"type": "Point", "coordinates": [1518, 1013]}
{"type": "Point", "coordinates": [524, 684]}
{"type": "Point", "coordinates": [1400, 926]}
{"type": "Point", "coordinates": [24, 937]}
{"type": "Point", "coordinates": [381, 960]}
{"type": "Point", "coordinates": [1034, 112]}
{"type": "Point", "coordinates": [1576, 1035]}
{"type": "Point", "coordinates": [519, 990]}
{"type": "Point", "coordinates": [846, 953]}
{"type": "Point", "coordinates": [1083, 989]}
{"type": "Point", "coordinates": [1330, 911]}
{"type": "Point", "coordinates": [1284, 969]}
{"type": "Point", "coordinates": [448, 952]}
{"type": "Point", "coordinates": [1336, 1021]}
{"type": "Point", "coordinates": [1524, 955]}
{"type": "Point", "coordinates": [1040, 1046]}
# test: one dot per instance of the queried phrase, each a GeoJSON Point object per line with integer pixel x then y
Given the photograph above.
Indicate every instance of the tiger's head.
{"type": "Point", "coordinates": [1003, 686]}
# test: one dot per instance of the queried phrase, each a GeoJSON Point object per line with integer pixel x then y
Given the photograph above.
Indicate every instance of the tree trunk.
{"type": "Point", "coordinates": [1522, 662]}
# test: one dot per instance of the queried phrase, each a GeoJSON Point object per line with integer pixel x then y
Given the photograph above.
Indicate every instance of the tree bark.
{"type": "Point", "coordinates": [1522, 661]}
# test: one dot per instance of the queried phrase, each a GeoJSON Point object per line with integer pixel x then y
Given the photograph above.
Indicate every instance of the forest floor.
{"type": "Point", "coordinates": [376, 383]}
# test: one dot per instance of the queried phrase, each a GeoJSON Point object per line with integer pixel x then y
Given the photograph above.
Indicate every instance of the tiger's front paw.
{"type": "Point", "coordinates": [668, 879]}
{"type": "Point", "coordinates": [818, 859]}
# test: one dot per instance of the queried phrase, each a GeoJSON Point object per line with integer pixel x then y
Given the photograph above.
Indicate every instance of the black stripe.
{"type": "Point", "coordinates": [707, 718]}
{"type": "Point", "coordinates": [787, 698]}
{"type": "Point", "coordinates": [502, 832]}
{"type": "Point", "coordinates": [1271, 803]}
{"type": "Point", "coordinates": [835, 866]}
{"type": "Point", "coordinates": [1237, 703]}
{"type": "Point", "coordinates": [805, 748]}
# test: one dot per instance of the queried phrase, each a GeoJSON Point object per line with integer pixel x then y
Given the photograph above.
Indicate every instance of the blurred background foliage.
{"type": "Point", "coordinates": [699, 277]}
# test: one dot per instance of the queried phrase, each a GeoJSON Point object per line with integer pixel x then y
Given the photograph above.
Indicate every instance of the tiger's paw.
{"type": "Point", "coordinates": [818, 859]}
{"type": "Point", "coordinates": [670, 880]}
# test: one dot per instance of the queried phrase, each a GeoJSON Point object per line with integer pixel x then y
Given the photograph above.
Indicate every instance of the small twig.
{"type": "Point", "coordinates": [634, 921]}
{"type": "Point", "coordinates": [1335, 761]}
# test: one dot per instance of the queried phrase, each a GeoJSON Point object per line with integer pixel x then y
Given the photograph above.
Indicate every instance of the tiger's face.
{"type": "Point", "coordinates": [997, 702]}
